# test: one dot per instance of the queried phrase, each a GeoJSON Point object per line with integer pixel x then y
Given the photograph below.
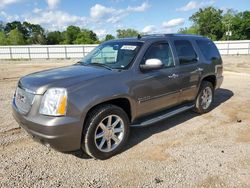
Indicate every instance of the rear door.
{"type": "Point", "coordinates": [188, 69]}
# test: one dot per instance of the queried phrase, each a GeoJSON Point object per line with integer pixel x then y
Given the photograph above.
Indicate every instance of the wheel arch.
{"type": "Point", "coordinates": [122, 102]}
{"type": "Point", "coordinates": [210, 78]}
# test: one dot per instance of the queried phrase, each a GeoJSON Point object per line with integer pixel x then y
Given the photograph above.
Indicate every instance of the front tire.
{"type": "Point", "coordinates": [205, 98]}
{"type": "Point", "coordinates": [106, 131]}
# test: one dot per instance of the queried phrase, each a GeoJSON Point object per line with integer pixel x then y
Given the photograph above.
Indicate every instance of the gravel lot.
{"type": "Point", "coordinates": [188, 150]}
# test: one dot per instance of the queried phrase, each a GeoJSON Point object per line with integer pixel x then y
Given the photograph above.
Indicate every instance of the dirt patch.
{"type": "Point", "coordinates": [244, 136]}
{"type": "Point", "coordinates": [156, 153]}
{"type": "Point", "coordinates": [212, 181]}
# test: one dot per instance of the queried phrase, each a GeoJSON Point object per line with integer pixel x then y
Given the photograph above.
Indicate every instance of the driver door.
{"type": "Point", "coordinates": [157, 89]}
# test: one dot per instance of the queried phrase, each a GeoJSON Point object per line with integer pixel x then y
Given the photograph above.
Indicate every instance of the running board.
{"type": "Point", "coordinates": [163, 116]}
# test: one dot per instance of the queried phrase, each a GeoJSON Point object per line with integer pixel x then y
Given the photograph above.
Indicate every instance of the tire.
{"type": "Point", "coordinates": [102, 139]}
{"type": "Point", "coordinates": [205, 98]}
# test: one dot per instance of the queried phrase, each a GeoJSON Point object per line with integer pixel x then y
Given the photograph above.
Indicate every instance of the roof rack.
{"type": "Point", "coordinates": [151, 35]}
{"type": "Point", "coordinates": [166, 35]}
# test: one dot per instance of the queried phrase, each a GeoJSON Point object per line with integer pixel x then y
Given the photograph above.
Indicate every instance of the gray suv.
{"type": "Point", "coordinates": [122, 83]}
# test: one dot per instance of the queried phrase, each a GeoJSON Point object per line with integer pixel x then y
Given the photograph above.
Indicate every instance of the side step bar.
{"type": "Point", "coordinates": [162, 116]}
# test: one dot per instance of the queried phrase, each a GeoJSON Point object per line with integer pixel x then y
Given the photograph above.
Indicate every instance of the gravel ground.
{"type": "Point", "coordinates": [188, 150]}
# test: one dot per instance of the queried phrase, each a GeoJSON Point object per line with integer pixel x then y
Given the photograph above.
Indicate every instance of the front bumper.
{"type": "Point", "coordinates": [61, 133]}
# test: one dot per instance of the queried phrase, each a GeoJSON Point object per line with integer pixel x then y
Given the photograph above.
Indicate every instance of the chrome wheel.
{"type": "Point", "coordinates": [109, 133]}
{"type": "Point", "coordinates": [206, 98]}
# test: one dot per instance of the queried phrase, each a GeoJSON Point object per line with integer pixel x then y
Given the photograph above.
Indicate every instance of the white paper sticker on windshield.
{"type": "Point", "coordinates": [128, 47]}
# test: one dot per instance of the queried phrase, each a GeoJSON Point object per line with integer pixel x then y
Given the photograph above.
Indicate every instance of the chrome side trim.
{"type": "Point", "coordinates": [147, 98]}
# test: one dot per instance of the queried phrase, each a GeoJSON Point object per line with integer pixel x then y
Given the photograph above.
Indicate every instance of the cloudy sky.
{"type": "Point", "coordinates": [106, 16]}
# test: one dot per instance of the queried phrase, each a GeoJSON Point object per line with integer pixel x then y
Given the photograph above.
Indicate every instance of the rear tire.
{"type": "Point", "coordinates": [205, 98]}
{"type": "Point", "coordinates": [106, 131]}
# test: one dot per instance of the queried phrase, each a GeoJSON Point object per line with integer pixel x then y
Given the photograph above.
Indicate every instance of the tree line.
{"type": "Point", "coordinates": [217, 25]}
{"type": "Point", "coordinates": [21, 33]}
{"type": "Point", "coordinates": [209, 21]}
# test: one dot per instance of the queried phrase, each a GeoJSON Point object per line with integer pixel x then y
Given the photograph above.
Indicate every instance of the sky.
{"type": "Point", "coordinates": [106, 16]}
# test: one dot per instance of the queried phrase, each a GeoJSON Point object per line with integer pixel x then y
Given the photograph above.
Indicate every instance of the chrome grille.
{"type": "Point", "coordinates": [23, 100]}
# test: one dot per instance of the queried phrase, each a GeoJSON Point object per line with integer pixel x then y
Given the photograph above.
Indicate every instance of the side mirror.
{"type": "Point", "coordinates": [152, 64]}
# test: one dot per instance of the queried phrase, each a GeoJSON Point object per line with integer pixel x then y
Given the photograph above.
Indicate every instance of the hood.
{"type": "Point", "coordinates": [65, 77]}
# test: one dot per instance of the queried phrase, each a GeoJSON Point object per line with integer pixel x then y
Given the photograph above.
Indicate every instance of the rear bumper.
{"type": "Point", "coordinates": [61, 133]}
{"type": "Point", "coordinates": [219, 80]}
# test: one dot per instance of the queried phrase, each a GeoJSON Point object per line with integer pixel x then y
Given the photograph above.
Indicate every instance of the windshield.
{"type": "Point", "coordinates": [115, 55]}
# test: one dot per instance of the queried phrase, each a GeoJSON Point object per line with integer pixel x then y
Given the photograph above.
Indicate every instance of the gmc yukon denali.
{"type": "Point", "coordinates": [132, 82]}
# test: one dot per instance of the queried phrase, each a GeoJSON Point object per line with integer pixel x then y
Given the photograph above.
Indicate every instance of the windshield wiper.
{"type": "Point", "coordinates": [94, 64]}
{"type": "Point", "coordinates": [100, 65]}
{"type": "Point", "coordinates": [79, 63]}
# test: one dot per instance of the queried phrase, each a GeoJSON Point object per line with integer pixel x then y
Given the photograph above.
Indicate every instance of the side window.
{"type": "Point", "coordinates": [160, 51]}
{"type": "Point", "coordinates": [185, 52]}
{"type": "Point", "coordinates": [208, 50]}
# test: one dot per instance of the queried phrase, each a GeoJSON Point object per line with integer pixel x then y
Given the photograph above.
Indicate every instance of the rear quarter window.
{"type": "Point", "coordinates": [208, 50]}
{"type": "Point", "coordinates": [185, 52]}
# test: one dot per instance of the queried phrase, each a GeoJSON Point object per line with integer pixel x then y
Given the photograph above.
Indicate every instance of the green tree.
{"type": "Point", "coordinates": [54, 37]}
{"type": "Point", "coordinates": [190, 30]}
{"type": "Point", "coordinates": [208, 21]}
{"type": "Point", "coordinates": [71, 34]}
{"type": "Point", "coordinates": [3, 38]}
{"type": "Point", "coordinates": [16, 25]}
{"type": "Point", "coordinates": [15, 37]}
{"type": "Point", "coordinates": [109, 37]}
{"type": "Point", "coordinates": [35, 33]}
{"type": "Point", "coordinates": [238, 24]}
{"type": "Point", "coordinates": [245, 24]}
{"type": "Point", "coordinates": [86, 37]}
{"type": "Point", "coordinates": [123, 33]}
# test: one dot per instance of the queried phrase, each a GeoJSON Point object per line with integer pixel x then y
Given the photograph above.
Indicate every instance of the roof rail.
{"type": "Point", "coordinates": [153, 35]}
{"type": "Point", "coordinates": [167, 35]}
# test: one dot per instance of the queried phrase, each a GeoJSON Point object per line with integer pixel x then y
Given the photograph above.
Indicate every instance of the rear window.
{"type": "Point", "coordinates": [185, 51]}
{"type": "Point", "coordinates": [208, 50]}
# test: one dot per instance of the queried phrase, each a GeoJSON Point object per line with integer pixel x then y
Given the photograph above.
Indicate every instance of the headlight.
{"type": "Point", "coordinates": [54, 102]}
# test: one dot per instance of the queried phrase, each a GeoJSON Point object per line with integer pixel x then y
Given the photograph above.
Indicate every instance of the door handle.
{"type": "Point", "coordinates": [173, 76]}
{"type": "Point", "coordinates": [199, 69]}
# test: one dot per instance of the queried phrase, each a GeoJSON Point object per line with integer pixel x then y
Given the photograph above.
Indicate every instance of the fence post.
{"type": "Point", "coordinates": [11, 57]}
{"type": "Point", "coordinates": [228, 48]}
{"type": "Point", "coordinates": [65, 50]}
{"type": "Point", "coordinates": [248, 48]}
{"type": "Point", "coordinates": [29, 52]}
{"type": "Point", "coordinates": [83, 50]}
{"type": "Point", "coordinates": [47, 52]}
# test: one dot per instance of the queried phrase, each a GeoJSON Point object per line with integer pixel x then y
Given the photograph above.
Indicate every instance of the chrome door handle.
{"type": "Point", "coordinates": [199, 69]}
{"type": "Point", "coordinates": [173, 76]}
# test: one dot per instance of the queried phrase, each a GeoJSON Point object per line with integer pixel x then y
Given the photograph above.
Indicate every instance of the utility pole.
{"type": "Point", "coordinates": [228, 32]}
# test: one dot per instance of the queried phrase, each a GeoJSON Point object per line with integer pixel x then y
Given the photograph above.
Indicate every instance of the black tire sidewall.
{"type": "Point", "coordinates": [91, 125]}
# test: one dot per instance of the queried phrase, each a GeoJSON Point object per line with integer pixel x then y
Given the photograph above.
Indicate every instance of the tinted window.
{"type": "Point", "coordinates": [185, 51]}
{"type": "Point", "coordinates": [208, 49]}
{"type": "Point", "coordinates": [160, 51]}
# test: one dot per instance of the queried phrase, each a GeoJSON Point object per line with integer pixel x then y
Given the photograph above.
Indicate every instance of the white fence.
{"type": "Point", "coordinates": [78, 51]}
{"type": "Point", "coordinates": [45, 51]}
{"type": "Point", "coordinates": [237, 47]}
